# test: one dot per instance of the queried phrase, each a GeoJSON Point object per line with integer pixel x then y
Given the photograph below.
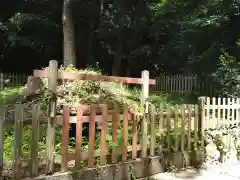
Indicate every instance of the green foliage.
{"type": "Point", "coordinates": [92, 92]}
{"type": "Point", "coordinates": [227, 75]}
{"type": "Point", "coordinates": [9, 94]}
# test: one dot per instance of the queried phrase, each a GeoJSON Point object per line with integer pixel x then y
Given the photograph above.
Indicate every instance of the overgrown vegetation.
{"type": "Point", "coordinates": [87, 92]}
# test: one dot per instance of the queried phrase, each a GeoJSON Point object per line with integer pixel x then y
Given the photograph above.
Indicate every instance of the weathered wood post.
{"type": "Point", "coordinates": [35, 139]}
{"type": "Point", "coordinates": [201, 123]}
{"type": "Point", "coordinates": [18, 118]}
{"type": "Point", "coordinates": [144, 111]}
{"type": "Point", "coordinates": [52, 85]}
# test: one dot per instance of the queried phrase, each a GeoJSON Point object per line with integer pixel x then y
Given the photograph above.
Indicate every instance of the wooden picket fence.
{"type": "Point", "coordinates": [170, 131]}
{"type": "Point", "coordinates": [221, 112]}
{"type": "Point", "coordinates": [13, 79]}
{"type": "Point", "coordinates": [222, 117]}
{"type": "Point", "coordinates": [183, 85]}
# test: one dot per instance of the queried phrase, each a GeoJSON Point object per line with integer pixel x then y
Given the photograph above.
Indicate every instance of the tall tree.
{"type": "Point", "coordinates": [69, 50]}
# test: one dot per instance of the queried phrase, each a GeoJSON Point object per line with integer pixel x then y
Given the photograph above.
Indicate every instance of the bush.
{"type": "Point", "coordinates": [227, 76]}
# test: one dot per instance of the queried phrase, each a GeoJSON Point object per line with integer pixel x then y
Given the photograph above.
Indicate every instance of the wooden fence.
{"type": "Point", "coordinates": [184, 85]}
{"type": "Point", "coordinates": [12, 79]}
{"type": "Point", "coordinates": [170, 131]}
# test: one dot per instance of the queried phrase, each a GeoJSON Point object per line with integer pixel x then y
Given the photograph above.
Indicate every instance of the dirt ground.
{"type": "Point", "coordinates": [207, 172]}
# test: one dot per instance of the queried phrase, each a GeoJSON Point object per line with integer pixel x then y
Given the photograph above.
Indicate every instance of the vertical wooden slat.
{"type": "Point", "coordinates": [233, 112]}
{"type": "Point", "coordinates": [228, 139]}
{"type": "Point", "coordinates": [17, 141]}
{"type": "Point", "coordinates": [218, 113]}
{"type": "Point", "coordinates": [196, 120]}
{"type": "Point", "coordinates": [168, 120]}
{"type": "Point", "coordinates": [52, 84]}
{"type": "Point", "coordinates": [153, 132]}
{"type": "Point", "coordinates": [176, 128]}
{"type": "Point", "coordinates": [65, 136]}
{"type": "Point", "coordinates": [202, 120]}
{"type": "Point", "coordinates": [214, 122]}
{"type": "Point", "coordinates": [224, 112]}
{"type": "Point", "coordinates": [161, 129]}
{"type": "Point", "coordinates": [238, 113]}
{"type": "Point", "coordinates": [228, 109]}
{"type": "Point", "coordinates": [144, 138]}
{"type": "Point", "coordinates": [115, 131]}
{"type": "Point", "coordinates": [189, 126]}
{"type": "Point", "coordinates": [182, 128]}
{"type": "Point", "coordinates": [2, 125]}
{"type": "Point", "coordinates": [103, 143]}
{"type": "Point", "coordinates": [78, 148]}
{"type": "Point", "coordinates": [91, 136]}
{"type": "Point", "coordinates": [35, 139]}
{"type": "Point", "coordinates": [125, 133]}
{"type": "Point", "coordinates": [208, 122]}
{"type": "Point", "coordinates": [134, 137]}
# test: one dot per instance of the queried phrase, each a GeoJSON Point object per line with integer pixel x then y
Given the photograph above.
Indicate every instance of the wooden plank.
{"type": "Point", "coordinates": [182, 128]}
{"type": "Point", "coordinates": [91, 77]}
{"type": "Point", "coordinates": [153, 132]}
{"type": "Point", "coordinates": [189, 126]}
{"type": "Point", "coordinates": [208, 123]}
{"type": "Point", "coordinates": [214, 123]}
{"type": "Point", "coordinates": [79, 136]}
{"type": "Point", "coordinates": [114, 132]}
{"type": "Point", "coordinates": [125, 133]}
{"type": "Point", "coordinates": [73, 119]}
{"type": "Point", "coordinates": [144, 138]}
{"type": "Point", "coordinates": [233, 112]}
{"type": "Point", "coordinates": [218, 113]}
{"type": "Point", "coordinates": [168, 121]}
{"type": "Point", "coordinates": [65, 137]}
{"type": "Point", "coordinates": [145, 92]}
{"type": "Point", "coordinates": [238, 114]}
{"type": "Point", "coordinates": [103, 141]}
{"type": "Point", "coordinates": [161, 128]}
{"type": "Point", "coordinates": [91, 136]}
{"type": "Point", "coordinates": [176, 129]}
{"type": "Point", "coordinates": [17, 141]}
{"type": "Point", "coordinates": [71, 156]}
{"type": "Point", "coordinates": [196, 120]}
{"type": "Point", "coordinates": [134, 136]}
{"type": "Point", "coordinates": [144, 111]}
{"type": "Point", "coordinates": [2, 125]}
{"type": "Point", "coordinates": [35, 140]}
{"type": "Point", "coordinates": [50, 150]}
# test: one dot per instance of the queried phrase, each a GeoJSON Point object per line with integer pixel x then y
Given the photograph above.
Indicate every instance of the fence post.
{"type": "Point", "coordinates": [18, 118]}
{"type": "Point", "coordinates": [201, 125]}
{"type": "Point", "coordinates": [144, 110]}
{"type": "Point", "coordinates": [35, 139]}
{"type": "Point", "coordinates": [2, 118]}
{"type": "Point", "coordinates": [52, 84]}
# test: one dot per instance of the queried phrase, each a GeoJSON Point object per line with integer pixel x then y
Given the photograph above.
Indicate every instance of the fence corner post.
{"type": "Point", "coordinates": [201, 102]}
{"type": "Point", "coordinates": [52, 85]}
{"type": "Point", "coordinates": [144, 111]}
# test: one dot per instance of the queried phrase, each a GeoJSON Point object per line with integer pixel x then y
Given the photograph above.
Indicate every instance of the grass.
{"type": "Point", "coordinates": [8, 94]}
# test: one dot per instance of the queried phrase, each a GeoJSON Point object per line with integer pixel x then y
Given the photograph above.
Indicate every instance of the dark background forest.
{"type": "Point", "coordinates": [122, 37]}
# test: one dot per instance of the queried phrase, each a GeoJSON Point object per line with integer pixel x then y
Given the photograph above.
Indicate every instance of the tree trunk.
{"type": "Point", "coordinates": [69, 52]}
